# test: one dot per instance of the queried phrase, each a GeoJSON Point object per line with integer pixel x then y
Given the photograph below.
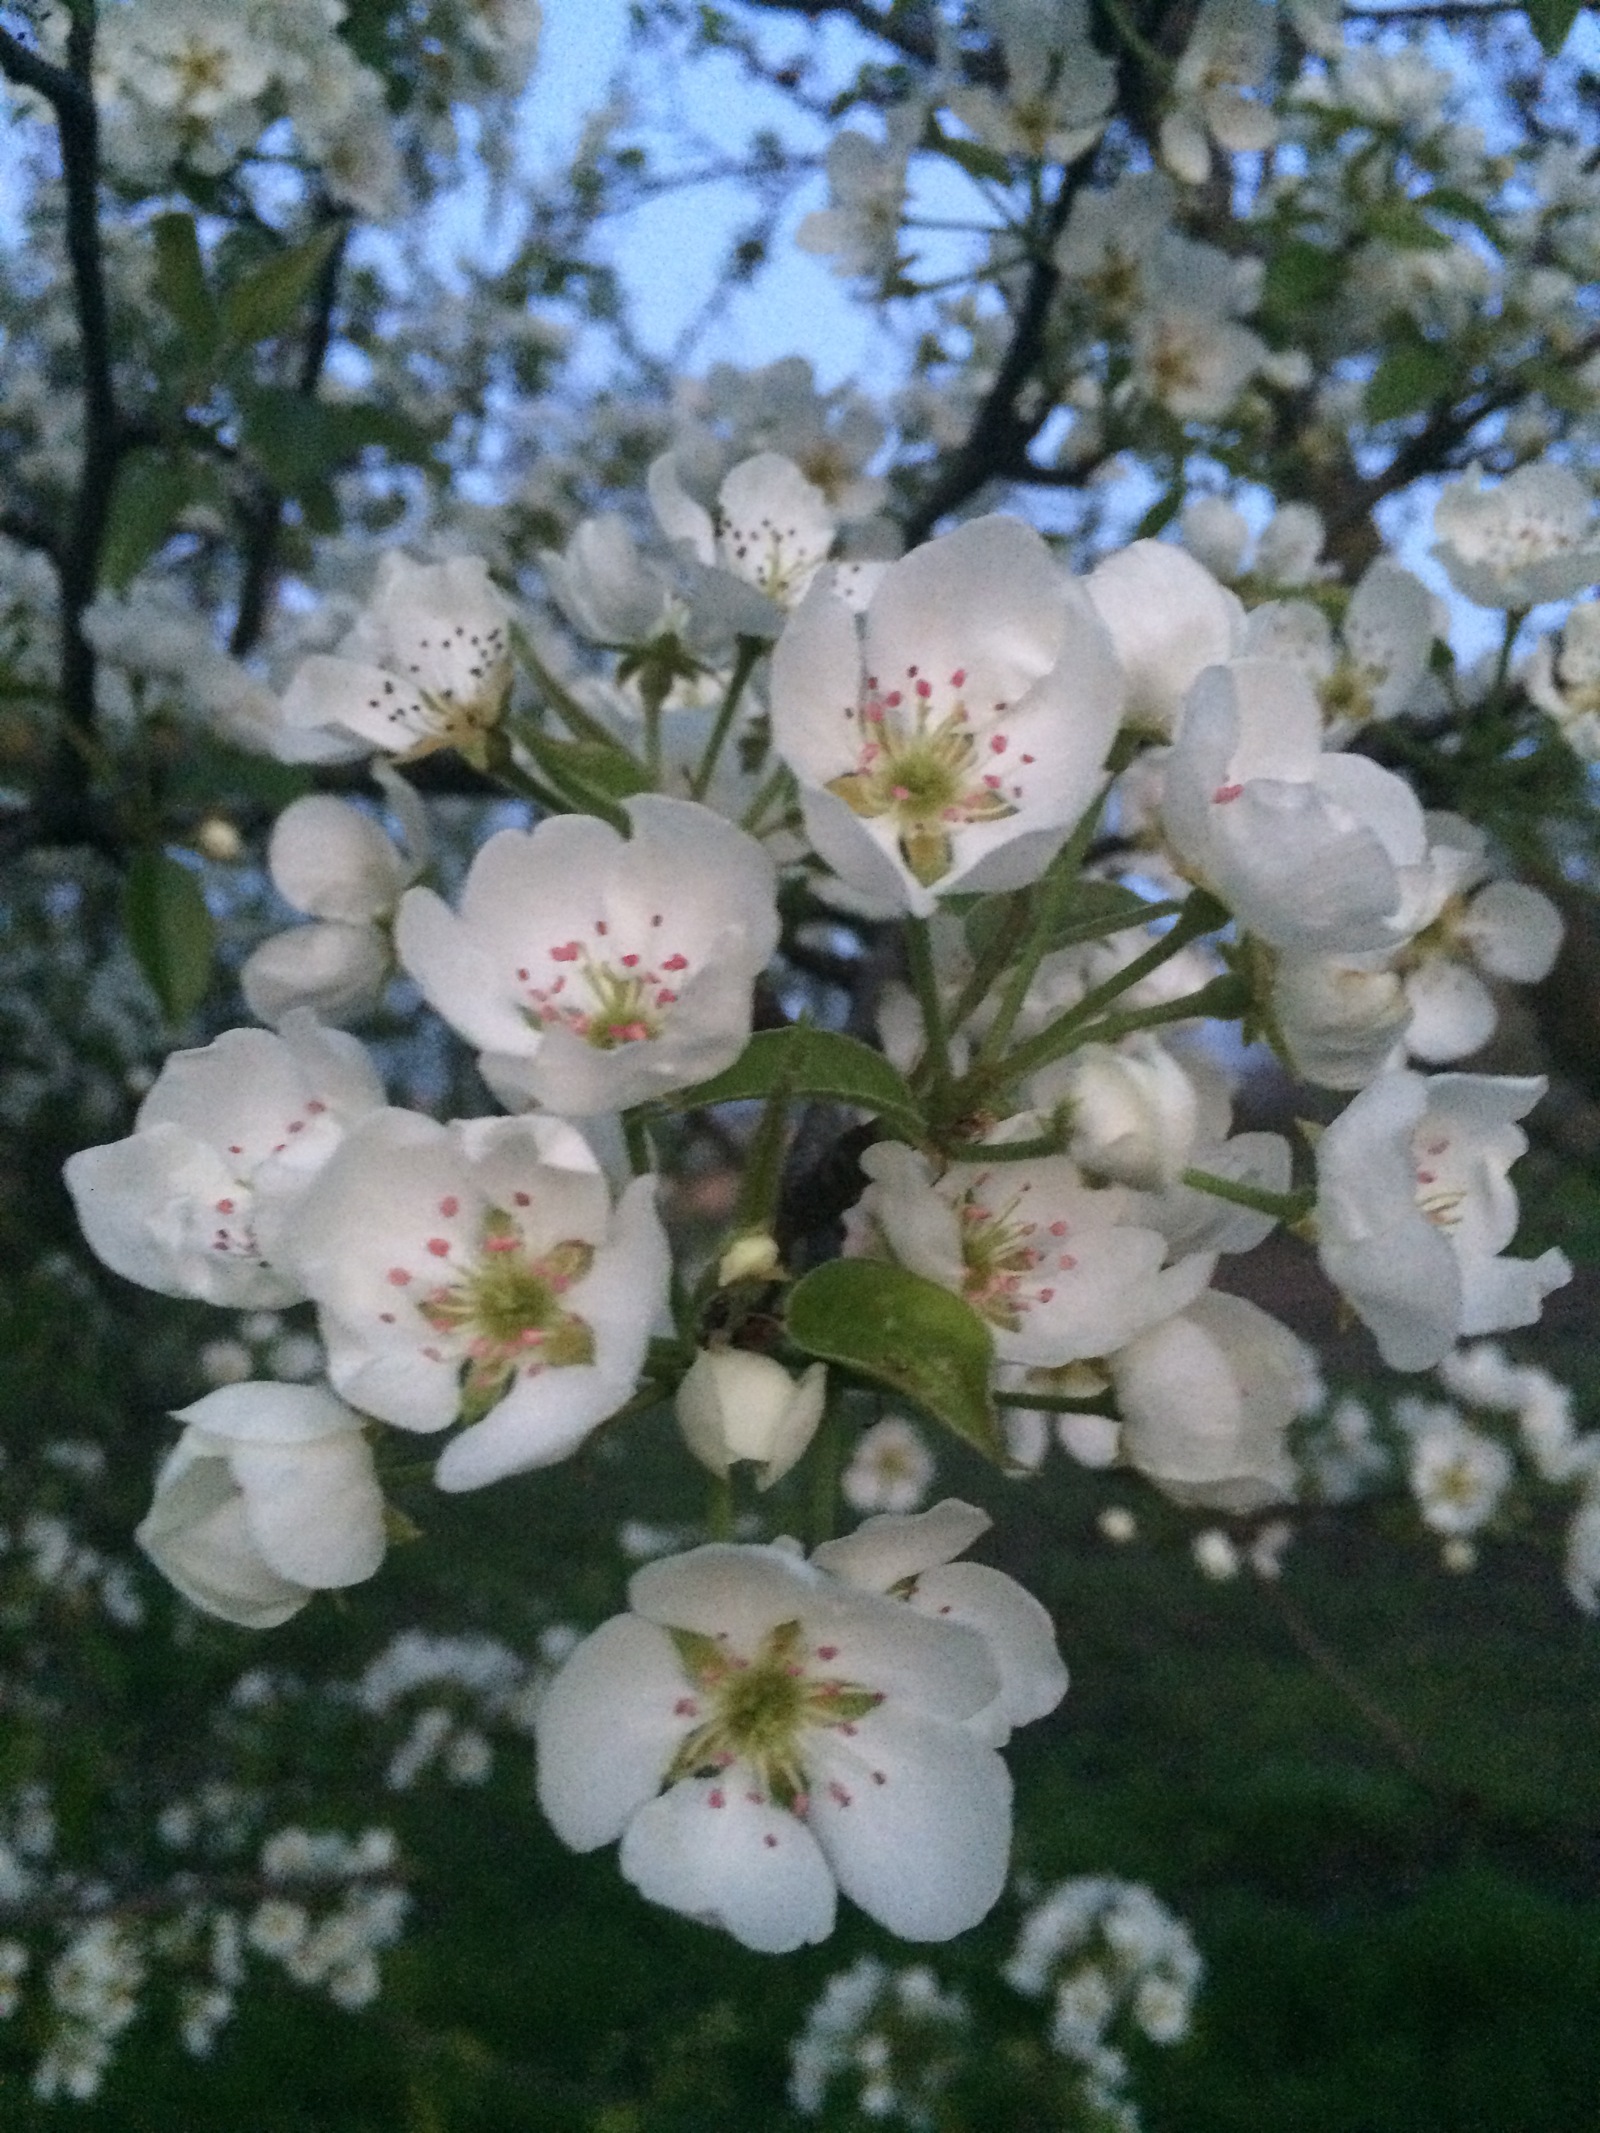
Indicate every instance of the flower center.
{"type": "Point", "coordinates": [757, 1711]}
{"type": "Point", "coordinates": [1439, 1201]}
{"type": "Point", "coordinates": [606, 1003]}
{"type": "Point", "coordinates": [504, 1312]}
{"type": "Point", "coordinates": [1002, 1252]}
{"type": "Point", "coordinates": [924, 775]}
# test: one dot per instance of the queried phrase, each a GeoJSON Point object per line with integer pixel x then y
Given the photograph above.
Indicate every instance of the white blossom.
{"type": "Point", "coordinates": [1563, 678]}
{"type": "Point", "coordinates": [811, 1731]}
{"type": "Point", "coordinates": [1529, 539]}
{"type": "Point", "coordinates": [427, 666]}
{"type": "Point", "coordinates": [591, 971]}
{"type": "Point", "coordinates": [192, 1202]}
{"type": "Point", "coordinates": [268, 1496]}
{"type": "Point", "coordinates": [890, 1469]}
{"type": "Point", "coordinates": [952, 742]}
{"type": "Point", "coordinates": [1415, 1209]}
{"type": "Point", "coordinates": [480, 1271]}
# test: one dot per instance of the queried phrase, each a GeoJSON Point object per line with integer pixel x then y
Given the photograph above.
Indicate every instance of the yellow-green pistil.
{"type": "Point", "coordinates": [757, 1711]}
{"type": "Point", "coordinates": [506, 1310]}
{"type": "Point", "coordinates": [924, 776]}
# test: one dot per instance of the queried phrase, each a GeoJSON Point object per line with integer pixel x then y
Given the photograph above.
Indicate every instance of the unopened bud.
{"type": "Point", "coordinates": [735, 1405]}
{"type": "Point", "coordinates": [751, 1258]}
{"type": "Point", "coordinates": [218, 838]}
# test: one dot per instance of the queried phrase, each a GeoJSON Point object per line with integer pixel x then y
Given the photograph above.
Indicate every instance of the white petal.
{"type": "Point", "coordinates": [1514, 931]}
{"type": "Point", "coordinates": [716, 1849]}
{"type": "Point", "coordinates": [1017, 1630]}
{"type": "Point", "coordinates": [883, 1550]}
{"type": "Point", "coordinates": [608, 1728]}
{"type": "Point", "coordinates": [196, 1536]}
{"type": "Point", "coordinates": [1452, 1011]}
{"type": "Point", "coordinates": [914, 1817]}
{"type": "Point", "coordinates": [331, 860]}
{"type": "Point", "coordinates": [263, 1412]}
{"type": "Point", "coordinates": [338, 971]}
{"type": "Point", "coordinates": [314, 1511]}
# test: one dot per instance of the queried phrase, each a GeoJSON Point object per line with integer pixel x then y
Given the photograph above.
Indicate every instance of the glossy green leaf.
{"type": "Point", "coordinates": [1552, 21]}
{"type": "Point", "coordinates": [270, 298]}
{"type": "Point", "coordinates": [169, 930]}
{"type": "Point", "coordinates": [1093, 909]}
{"type": "Point", "coordinates": [908, 1334]}
{"type": "Point", "coordinates": [181, 285]}
{"type": "Point", "coordinates": [811, 1062]}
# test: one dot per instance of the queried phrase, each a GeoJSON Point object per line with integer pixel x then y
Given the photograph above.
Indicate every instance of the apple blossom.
{"type": "Point", "coordinates": [1308, 849]}
{"type": "Point", "coordinates": [735, 1405]}
{"type": "Point", "coordinates": [479, 1271]}
{"type": "Point", "coordinates": [1415, 1208]}
{"type": "Point", "coordinates": [760, 1731]}
{"type": "Point", "coordinates": [594, 972]}
{"type": "Point", "coordinates": [1060, 1270]}
{"type": "Point", "coordinates": [1206, 1400]}
{"type": "Point", "coordinates": [427, 666]}
{"type": "Point", "coordinates": [268, 1496]}
{"type": "Point", "coordinates": [1529, 539]}
{"type": "Point", "coordinates": [193, 1202]}
{"type": "Point", "coordinates": [954, 739]}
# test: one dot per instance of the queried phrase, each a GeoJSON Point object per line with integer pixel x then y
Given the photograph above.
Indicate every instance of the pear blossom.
{"type": "Point", "coordinates": [1531, 538]}
{"type": "Point", "coordinates": [951, 741]}
{"type": "Point", "coordinates": [1342, 1019]}
{"type": "Point", "coordinates": [891, 1468]}
{"type": "Point", "coordinates": [1415, 1208]}
{"type": "Point", "coordinates": [754, 556]}
{"type": "Point", "coordinates": [761, 1731]}
{"type": "Point", "coordinates": [268, 1497]}
{"type": "Point", "coordinates": [1060, 1271]}
{"type": "Point", "coordinates": [592, 971]}
{"type": "Point", "coordinates": [1504, 928]}
{"type": "Point", "coordinates": [480, 1272]}
{"type": "Point", "coordinates": [342, 869]}
{"type": "Point", "coordinates": [1193, 1220]}
{"type": "Point", "coordinates": [1458, 1476]}
{"type": "Point", "coordinates": [735, 1405]}
{"type": "Point", "coordinates": [605, 588]}
{"type": "Point", "coordinates": [1206, 1400]}
{"type": "Point", "coordinates": [1190, 358]}
{"type": "Point", "coordinates": [1216, 88]}
{"type": "Point", "coordinates": [193, 1202]}
{"type": "Point", "coordinates": [860, 227]}
{"type": "Point", "coordinates": [1134, 1113]}
{"type": "Point", "coordinates": [1058, 88]}
{"type": "Point", "coordinates": [1563, 679]}
{"type": "Point", "coordinates": [1217, 534]}
{"type": "Point", "coordinates": [1307, 848]}
{"type": "Point", "coordinates": [427, 666]}
{"type": "Point", "coordinates": [1372, 668]}
{"type": "Point", "coordinates": [1169, 619]}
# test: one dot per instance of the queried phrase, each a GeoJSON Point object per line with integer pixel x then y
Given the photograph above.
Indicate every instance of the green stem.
{"type": "Point", "coordinates": [925, 980]}
{"type": "Point", "coordinates": [1223, 1000]}
{"type": "Point", "coordinates": [752, 821]}
{"type": "Point", "coordinates": [750, 651]}
{"type": "Point", "coordinates": [719, 1508]}
{"type": "Point", "coordinates": [827, 1459]}
{"type": "Point", "coordinates": [1055, 1403]}
{"type": "Point", "coordinates": [1201, 913]}
{"type": "Point", "coordinates": [1286, 1206]}
{"type": "Point", "coordinates": [636, 1138]}
{"type": "Point", "coordinates": [1007, 939]}
{"type": "Point", "coordinates": [1049, 900]}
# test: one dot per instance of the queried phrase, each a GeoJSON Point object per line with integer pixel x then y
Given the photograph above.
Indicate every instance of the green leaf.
{"type": "Point", "coordinates": [811, 1062]}
{"type": "Point", "coordinates": [909, 1334]}
{"type": "Point", "coordinates": [1092, 910]}
{"type": "Point", "coordinates": [972, 157]}
{"type": "Point", "coordinates": [591, 772]}
{"type": "Point", "coordinates": [152, 488]}
{"type": "Point", "coordinates": [181, 285]}
{"type": "Point", "coordinates": [1552, 21]}
{"type": "Point", "coordinates": [1300, 277]}
{"type": "Point", "coordinates": [1160, 514]}
{"type": "Point", "coordinates": [1413, 374]}
{"type": "Point", "coordinates": [268, 300]}
{"type": "Point", "coordinates": [170, 931]}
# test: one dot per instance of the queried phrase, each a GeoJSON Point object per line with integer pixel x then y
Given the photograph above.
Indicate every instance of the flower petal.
{"type": "Point", "coordinates": [717, 1849]}
{"type": "Point", "coordinates": [608, 1729]}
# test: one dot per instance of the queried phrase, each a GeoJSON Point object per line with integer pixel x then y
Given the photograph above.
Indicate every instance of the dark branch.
{"type": "Point", "coordinates": [31, 70]}
{"type": "Point", "coordinates": [30, 532]}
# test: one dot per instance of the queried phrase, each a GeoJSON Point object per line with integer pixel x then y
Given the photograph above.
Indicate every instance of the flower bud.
{"type": "Point", "coordinates": [1134, 1113]}
{"type": "Point", "coordinates": [749, 1258]}
{"type": "Point", "coordinates": [735, 1405]}
{"type": "Point", "coordinates": [337, 971]}
{"type": "Point", "coordinates": [331, 860]}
